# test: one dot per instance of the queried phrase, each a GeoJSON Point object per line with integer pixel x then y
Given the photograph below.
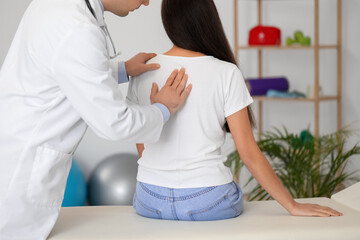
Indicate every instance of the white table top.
{"type": "Point", "coordinates": [260, 220]}
{"type": "Point", "coordinates": [349, 197]}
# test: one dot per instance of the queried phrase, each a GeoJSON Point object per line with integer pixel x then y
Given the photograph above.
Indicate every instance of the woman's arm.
{"type": "Point", "coordinates": [260, 168]}
{"type": "Point", "coordinates": [140, 147]}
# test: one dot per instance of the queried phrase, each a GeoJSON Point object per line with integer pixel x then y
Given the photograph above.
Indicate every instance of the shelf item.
{"type": "Point", "coordinates": [284, 94]}
{"type": "Point", "coordinates": [264, 35]}
{"type": "Point", "coordinates": [260, 86]}
{"type": "Point", "coordinates": [298, 39]}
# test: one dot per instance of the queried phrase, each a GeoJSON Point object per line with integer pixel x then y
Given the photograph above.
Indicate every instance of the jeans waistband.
{"type": "Point", "coordinates": [182, 198]}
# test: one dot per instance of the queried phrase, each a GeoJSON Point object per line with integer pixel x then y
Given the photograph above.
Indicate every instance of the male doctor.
{"type": "Point", "coordinates": [56, 80]}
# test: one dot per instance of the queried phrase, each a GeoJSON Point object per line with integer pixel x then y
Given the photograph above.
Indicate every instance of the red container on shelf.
{"type": "Point", "coordinates": [265, 35]}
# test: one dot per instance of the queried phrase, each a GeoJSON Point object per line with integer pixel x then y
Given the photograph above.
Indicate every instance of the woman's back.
{"type": "Point", "coordinates": [182, 177]}
{"type": "Point", "coordinates": [188, 152]}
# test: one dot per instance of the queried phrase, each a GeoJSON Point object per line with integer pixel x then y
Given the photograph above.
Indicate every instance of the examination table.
{"type": "Point", "coordinates": [260, 220]}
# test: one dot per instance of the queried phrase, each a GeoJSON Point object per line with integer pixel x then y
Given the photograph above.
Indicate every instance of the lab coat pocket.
{"type": "Point", "coordinates": [48, 177]}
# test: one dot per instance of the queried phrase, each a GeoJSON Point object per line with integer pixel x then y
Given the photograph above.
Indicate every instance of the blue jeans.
{"type": "Point", "coordinates": [188, 204]}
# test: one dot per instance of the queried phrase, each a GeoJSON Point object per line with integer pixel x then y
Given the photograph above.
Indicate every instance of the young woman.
{"type": "Point", "coordinates": [182, 176]}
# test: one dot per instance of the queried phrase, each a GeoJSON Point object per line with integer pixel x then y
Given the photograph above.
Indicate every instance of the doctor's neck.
{"type": "Point", "coordinates": [106, 5]}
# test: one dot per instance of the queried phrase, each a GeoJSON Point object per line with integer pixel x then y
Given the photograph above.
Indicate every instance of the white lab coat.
{"type": "Point", "coordinates": [56, 80]}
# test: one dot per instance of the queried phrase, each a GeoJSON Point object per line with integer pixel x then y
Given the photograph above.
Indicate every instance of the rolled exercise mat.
{"type": "Point", "coordinates": [260, 86]}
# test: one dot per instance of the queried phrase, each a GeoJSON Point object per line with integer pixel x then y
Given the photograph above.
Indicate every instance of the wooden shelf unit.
{"type": "Point", "coordinates": [316, 47]}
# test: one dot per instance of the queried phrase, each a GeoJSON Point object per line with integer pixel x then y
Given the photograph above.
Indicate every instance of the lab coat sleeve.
{"type": "Point", "coordinates": [131, 97]}
{"type": "Point", "coordinates": [119, 71]}
{"type": "Point", "coordinates": [114, 65]}
{"type": "Point", "coordinates": [82, 69]}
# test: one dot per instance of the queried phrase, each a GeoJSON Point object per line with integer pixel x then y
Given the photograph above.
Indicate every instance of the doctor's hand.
{"type": "Point", "coordinates": [137, 64]}
{"type": "Point", "coordinates": [174, 93]}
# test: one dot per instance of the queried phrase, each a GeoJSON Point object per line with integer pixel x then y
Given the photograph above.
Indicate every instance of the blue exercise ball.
{"type": "Point", "coordinates": [75, 192]}
{"type": "Point", "coordinates": [113, 181]}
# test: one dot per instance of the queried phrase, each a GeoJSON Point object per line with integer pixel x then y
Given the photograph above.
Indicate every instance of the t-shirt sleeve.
{"type": "Point", "coordinates": [237, 96]}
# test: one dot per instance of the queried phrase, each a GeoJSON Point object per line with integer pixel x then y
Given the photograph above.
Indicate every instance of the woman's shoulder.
{"type": "Point", "coordinates": [164, 61]}
{"type": "Point", "coordinates": [166, 67]}
{"type": "Point", "coordinates": [226, 66]}
{"type": "Point", "coordinates": [212, 65]}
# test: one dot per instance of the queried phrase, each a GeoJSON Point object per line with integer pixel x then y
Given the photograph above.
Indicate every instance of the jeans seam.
{"type": "Point", "coordinates": [197, 194]}
{"type": "Point", "coordinates": [239, 194]}
{"type": "Point", "coordinates": [152, 193]}
{"type": "Point", "coordinates": [148, 208]}
{"type": "Point", "coordinates": [237, 212]}
{"type": "Point", "coordinates": [208, 189]}
{"type": "Point", "coordinates": [172, 204]}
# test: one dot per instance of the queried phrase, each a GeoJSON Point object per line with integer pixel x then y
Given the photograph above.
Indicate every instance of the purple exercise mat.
{"type": "Point", "coordinates": [259, 86]}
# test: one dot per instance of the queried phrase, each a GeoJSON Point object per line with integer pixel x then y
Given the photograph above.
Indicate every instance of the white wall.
{"type": "Point", "coordinates": [143, 31]}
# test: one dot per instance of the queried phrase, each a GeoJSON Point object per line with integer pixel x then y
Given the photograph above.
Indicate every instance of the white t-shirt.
{"type": "Point", "coordinates": [188, 154]}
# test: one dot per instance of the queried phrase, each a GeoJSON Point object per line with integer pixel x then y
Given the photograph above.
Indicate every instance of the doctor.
{"type": "Point", "coordinates": [56, 80]}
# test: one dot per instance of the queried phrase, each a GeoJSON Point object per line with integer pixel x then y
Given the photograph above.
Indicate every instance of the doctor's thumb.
{"type": "Point", "coordinates": [154, 91]}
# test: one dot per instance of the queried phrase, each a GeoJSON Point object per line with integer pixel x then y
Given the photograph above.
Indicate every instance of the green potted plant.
{"type": "Point", "coordinates": [306, 165]}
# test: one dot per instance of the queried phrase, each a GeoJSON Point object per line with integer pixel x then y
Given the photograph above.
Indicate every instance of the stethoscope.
{"type": "Point", "coordinates": [105, 29]}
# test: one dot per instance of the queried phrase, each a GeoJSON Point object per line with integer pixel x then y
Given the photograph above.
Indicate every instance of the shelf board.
{"type": "Point", "coordinates": [323, 98]}
{"type": "Point", "coordinates": [286, 47]}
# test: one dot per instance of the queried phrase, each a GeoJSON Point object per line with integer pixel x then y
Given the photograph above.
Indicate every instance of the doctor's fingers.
{"type": "Point", "coordinates": [148, 56]}
{"type": "Point", "coordinates": [154, 89]}
{"type": "Point", "coordinates": [171, 78]}
{"type": "Point", "coordinates": [143, 57]}
{"type": "Point", "coordinates": [186, 92]}
{"type": "Point", "coordinates": [180, 88]}
{"type": "Point", "coordinates": [180, 78]}
{"type": "Point", "coordinates": [151, 67]}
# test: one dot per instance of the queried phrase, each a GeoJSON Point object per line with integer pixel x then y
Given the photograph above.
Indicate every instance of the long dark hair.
{"type": "Point", "coordinates": [195, 25]}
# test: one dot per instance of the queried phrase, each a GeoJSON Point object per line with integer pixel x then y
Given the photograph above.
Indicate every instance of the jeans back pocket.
{"type": "Point", "coordinates": [144, 210]}
{"type": "Point", "coordinates": [217, 210]}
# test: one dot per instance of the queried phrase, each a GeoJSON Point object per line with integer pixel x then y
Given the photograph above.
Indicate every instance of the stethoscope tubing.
{"type": "Point", "coordinates": [105, 29]}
